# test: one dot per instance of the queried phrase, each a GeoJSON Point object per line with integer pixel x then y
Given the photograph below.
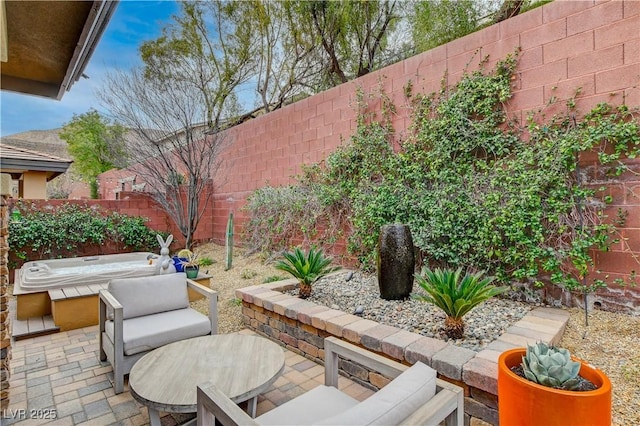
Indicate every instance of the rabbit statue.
{"type": "Point", "coordinates": [165, 263]}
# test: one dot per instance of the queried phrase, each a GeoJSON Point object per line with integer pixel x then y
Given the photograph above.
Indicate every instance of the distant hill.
{"type": "Point", "coordinates": [44, 141]}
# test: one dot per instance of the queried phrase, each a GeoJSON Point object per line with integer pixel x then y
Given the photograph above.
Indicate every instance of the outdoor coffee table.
{"type": "Point", "coordinates": [241, 366]}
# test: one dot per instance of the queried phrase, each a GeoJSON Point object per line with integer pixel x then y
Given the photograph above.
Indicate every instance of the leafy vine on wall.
{"type": "Point", "coordinates": [477, 189]}
{"type": "Point", "coordinates": [48, 232]}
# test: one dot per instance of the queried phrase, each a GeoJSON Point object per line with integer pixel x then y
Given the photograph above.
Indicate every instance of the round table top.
{"type": "Point", "coordinates": [241, 366]}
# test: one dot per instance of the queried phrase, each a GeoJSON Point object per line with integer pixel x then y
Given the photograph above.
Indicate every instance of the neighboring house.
{"type": "Point", "coordinates": [48, 142]}
{"type": "Point", "coordinates": [132, 178]}
{"type": "Point", "coordinates": [44, 141]}
{"type": "Point", "coordinates": [30, 170]}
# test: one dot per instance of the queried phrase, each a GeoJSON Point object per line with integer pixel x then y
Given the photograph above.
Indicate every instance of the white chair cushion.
{"type": "Point", "coordinates": [152, 331]}
{"type": "Point", "coordinates": [150, 295]}
{"type": "Point", "coordinates": [394, 402]}
{"type": "Point", "coordinates": [308, 408]}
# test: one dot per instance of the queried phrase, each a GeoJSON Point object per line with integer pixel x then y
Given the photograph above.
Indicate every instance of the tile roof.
{"type": "Point", "coordinates": [42, 141]}
{"type": "Point", "coordinates": [16, 161]}
{"type": "Point", "coordinates": [13, 152]}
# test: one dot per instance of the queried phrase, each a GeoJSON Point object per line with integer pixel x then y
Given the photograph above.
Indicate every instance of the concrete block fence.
{"type": "Point", "coordinates": [590, 45]}
{"type": "Point", "coordinates": [301, 327]}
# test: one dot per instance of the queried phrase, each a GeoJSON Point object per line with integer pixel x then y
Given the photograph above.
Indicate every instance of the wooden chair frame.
{"type": "Point", "coordinates": [447, 405]}
{"type": "Point", "coordinates": [114, 351]}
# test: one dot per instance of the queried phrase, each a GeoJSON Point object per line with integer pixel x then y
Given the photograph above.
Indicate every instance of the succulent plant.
{"type": "Point", "coordinates": [306, 267]}
{"type": "Point", "coordinates": [455, 294]}
{"type": "Point", "coordinates": [551, 366]}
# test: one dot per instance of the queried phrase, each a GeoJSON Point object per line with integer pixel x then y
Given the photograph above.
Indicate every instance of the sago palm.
{"type": "Point", "coordinates": [455, 296]}
{"type": "Point", "coordinates": [307, 268]}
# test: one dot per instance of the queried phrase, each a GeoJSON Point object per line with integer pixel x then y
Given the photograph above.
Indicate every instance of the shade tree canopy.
{"type": "Point", "coordinates": [96, 145]}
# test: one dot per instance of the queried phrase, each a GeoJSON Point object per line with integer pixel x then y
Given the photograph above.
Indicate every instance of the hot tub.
{"type": "Point", "coordinates": [43, 275]}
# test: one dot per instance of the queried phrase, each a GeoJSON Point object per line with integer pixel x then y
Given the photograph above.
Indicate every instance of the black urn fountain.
{"type": "Point", "coordinates": [395, 261]}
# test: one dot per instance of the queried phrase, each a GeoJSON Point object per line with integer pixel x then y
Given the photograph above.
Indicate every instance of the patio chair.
{"type": "Point", "coordinates": [140, 314]}
{"type": "Point", "coordinates": [414, 396]}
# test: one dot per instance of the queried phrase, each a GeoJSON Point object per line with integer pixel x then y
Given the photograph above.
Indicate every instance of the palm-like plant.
{"type": "Point", "coordinates": [455, 296]}
{"type": "Point", "coordinates": [307, 268]}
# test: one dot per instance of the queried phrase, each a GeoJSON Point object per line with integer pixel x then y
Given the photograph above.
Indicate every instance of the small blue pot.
{"type": "Point", "coordinates": [177, 261]}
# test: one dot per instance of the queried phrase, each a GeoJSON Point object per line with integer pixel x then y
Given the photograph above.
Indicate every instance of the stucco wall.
{"type": "Point", "coordinates": [34, 185]}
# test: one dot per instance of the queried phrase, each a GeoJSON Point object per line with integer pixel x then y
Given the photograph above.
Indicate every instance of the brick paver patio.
{"type": "Point", "coordinates": [61, 377]}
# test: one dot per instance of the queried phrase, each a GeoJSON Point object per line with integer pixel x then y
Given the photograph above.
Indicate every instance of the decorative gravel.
{"type": "Point", "coordinates": [483, 324]}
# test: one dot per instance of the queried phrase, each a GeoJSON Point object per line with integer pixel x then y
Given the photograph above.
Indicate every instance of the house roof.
{"type": "Point", "coordinates": [48, 43]}
{"type": "Point", "coordinates": [42, 141]}
{"type": "Point", "coordinates": [15, 161]}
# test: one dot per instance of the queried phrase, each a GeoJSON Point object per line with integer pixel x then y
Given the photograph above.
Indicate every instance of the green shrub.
{"type": "Point", "coordinates": [55, 232]}
{"type": "Point", "coordinates": [206, 261]}
{"type": "Point", "coordinates": [279, 215]}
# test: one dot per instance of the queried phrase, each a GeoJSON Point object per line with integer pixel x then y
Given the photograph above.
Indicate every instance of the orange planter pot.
{"type": "Point", "coordinates": [523, 402]}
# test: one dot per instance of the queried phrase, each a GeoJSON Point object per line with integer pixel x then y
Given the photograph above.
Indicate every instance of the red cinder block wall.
{"type": "Point", "coordinates": [591, 45]}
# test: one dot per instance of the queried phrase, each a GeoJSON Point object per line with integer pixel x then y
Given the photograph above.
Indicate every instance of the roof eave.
{"type": "Point", "coordinates": [17, 164]}
{"type": "Point", "coordinates": [96, 23]}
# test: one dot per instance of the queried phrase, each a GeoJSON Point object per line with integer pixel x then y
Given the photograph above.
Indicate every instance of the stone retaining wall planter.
{"type": "Point", "coordinates": [301, 327]}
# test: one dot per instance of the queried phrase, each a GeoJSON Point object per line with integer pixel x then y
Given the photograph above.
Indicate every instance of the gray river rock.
{"type": "Point", "coordinates": [361, 296]}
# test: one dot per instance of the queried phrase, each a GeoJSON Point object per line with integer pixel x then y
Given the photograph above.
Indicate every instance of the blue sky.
{"type": "Point", "coordinates": [132, 23]}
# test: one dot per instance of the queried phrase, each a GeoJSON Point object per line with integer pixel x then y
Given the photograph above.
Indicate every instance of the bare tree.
{"type": "Point", "coordinates": [178, 102]}
{"type": "Point", "coordinates": [509, 9]}
{"type": "Point", "coordinates": [353, 35]}
{"type": "Point", "coordinates": [207, 50]}
{"type": "Point", "coordinates": [175, 151]}
{"type": "Point", "coordinates": [285, 65]}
